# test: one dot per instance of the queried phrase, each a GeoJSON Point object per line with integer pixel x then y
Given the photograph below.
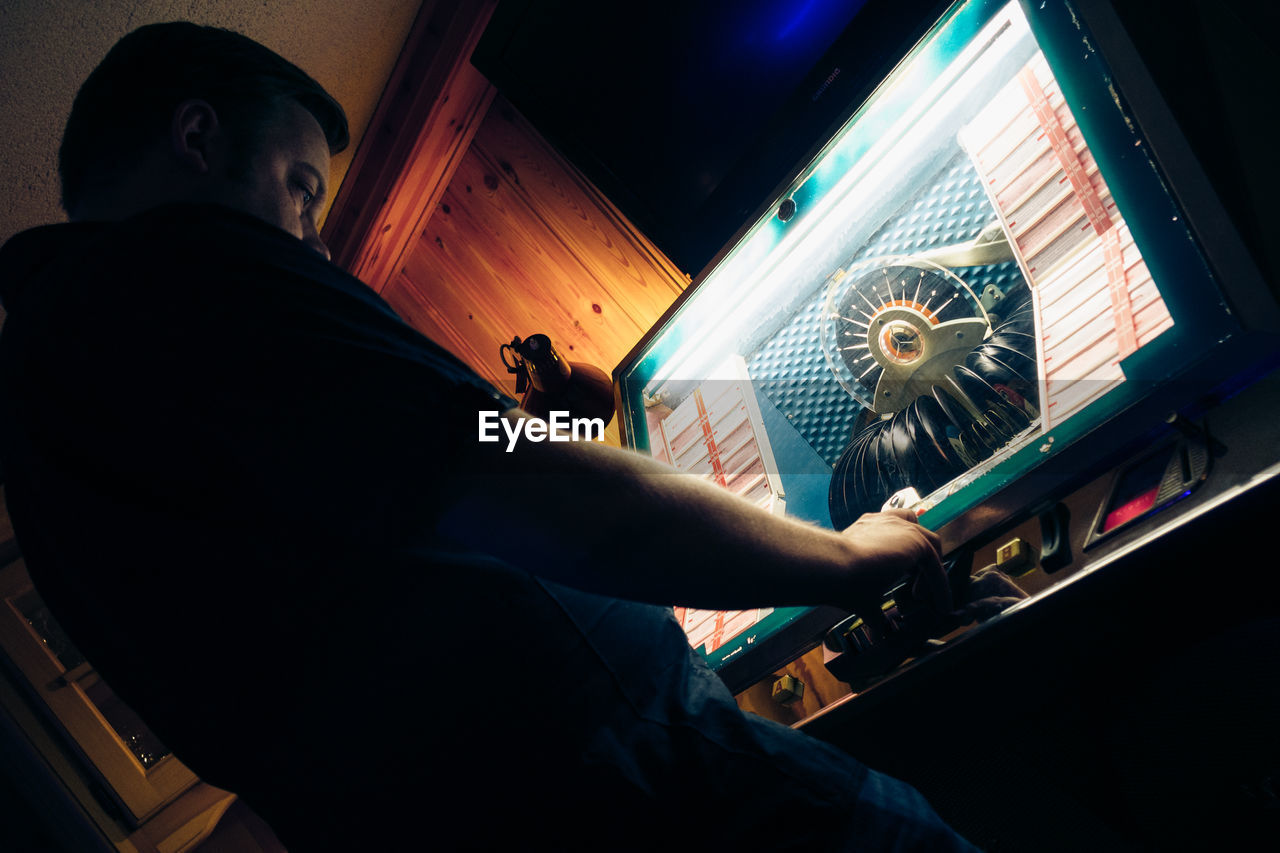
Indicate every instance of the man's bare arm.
{"type": "Point", "coordinates": [619, 523]}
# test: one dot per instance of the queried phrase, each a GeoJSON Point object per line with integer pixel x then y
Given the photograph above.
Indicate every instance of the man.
{"type": "Point", "coordinates": [256, 500]}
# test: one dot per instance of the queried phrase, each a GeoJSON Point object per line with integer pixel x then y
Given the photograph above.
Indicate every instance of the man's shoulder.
{"type": "Point", "coordinates": [33, 254]}
{"type": "Point", "coordinates": [185, 252]}
{"type": "Point", "coordinates": [202, 284]}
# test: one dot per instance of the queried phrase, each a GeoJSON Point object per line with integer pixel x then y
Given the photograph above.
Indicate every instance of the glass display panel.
{"type": "Point", "coordinates": [980, 268]}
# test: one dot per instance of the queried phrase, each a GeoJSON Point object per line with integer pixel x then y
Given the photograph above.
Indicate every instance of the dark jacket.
{"type": "Point", "coordinates": [232, 471]}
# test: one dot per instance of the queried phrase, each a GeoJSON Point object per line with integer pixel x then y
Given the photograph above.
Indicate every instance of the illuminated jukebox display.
{"type": "Point", "coordinates": [982, 278]}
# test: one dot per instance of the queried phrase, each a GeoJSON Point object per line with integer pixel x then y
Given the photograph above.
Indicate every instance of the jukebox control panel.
{"type": "Point", "coordinates": [1017, 563]}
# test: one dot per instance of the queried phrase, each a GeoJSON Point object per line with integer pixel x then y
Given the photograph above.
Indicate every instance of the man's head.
{"type": "Point", "coordinates": [180, 112]}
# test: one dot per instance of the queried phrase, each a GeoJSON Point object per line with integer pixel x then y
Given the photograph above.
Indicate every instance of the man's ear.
{"type": "Point", "coordinates": [191, 132]}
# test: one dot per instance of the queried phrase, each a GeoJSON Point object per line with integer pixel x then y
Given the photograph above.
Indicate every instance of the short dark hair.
{"type": "Point", "coordinates": [129, 99]}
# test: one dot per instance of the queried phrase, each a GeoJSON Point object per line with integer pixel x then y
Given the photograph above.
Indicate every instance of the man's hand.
{"type": "Point", "coordinates": [892, 547]}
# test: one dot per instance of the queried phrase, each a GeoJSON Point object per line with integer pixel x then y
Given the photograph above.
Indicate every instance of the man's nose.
{"type": "Point", "coordinates": [311, 236]}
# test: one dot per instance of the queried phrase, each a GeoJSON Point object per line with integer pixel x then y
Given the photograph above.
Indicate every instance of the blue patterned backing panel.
{"type": "Point", "coordinates": [790, 369]}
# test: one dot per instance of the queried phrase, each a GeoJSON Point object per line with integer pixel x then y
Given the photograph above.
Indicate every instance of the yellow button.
{"type": "Point", "coordinates": [787, 689]}
{"type": "Point", "coordinates": [1014, 557]}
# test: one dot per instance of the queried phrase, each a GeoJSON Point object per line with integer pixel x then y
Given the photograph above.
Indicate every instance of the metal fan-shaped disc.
{"type": "Point", "coordinates": [992, 364]}
{"type": "Point", "coordinates": [1012, 358]}
{"type": "Point", "coordinates": [906, 468]}
{"type": "Point", "coordinates": [910, 343]}
{"type": "Point", "coordinates": [933, 423]}
{"type": "Point", "coordinates": [1023, 342]}
{"type": "Point", "coordinates": [992, 371]}
{"type": "Point", "coordinates": [885, 468]}
{"type": "Point", "coordinates": [951, 408]}
{"type": "Point", "coordinates": [1004, 419]}
{"type": "Point", "coordinates": [978, 389]}
{"type": "Point", "coordinates": [866, 471]}
{"type": "Point", "coordinates": [931, 463]}
{"type": "Point", "coordinates": [837, 501]}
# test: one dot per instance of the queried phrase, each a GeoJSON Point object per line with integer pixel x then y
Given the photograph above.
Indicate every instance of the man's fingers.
{"type": "Point", "coordinates": [933, 585]}
{"type": "Point", "coordinates": [903, 513]}
{"type": "Point", "coordinates": [931, 582]}
{"type": "Point", "coordinates": [899, 548]}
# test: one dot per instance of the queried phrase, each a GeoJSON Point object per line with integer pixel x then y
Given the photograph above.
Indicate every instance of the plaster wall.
{"type": "Point", "coordinates": [48, 47]}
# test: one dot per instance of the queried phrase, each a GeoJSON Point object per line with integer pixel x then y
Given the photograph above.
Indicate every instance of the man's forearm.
{"type": "Point", "coordinates": [622, 524]}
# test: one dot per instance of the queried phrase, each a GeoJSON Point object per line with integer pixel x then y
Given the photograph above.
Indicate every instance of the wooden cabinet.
{"type": "Point", "coordinates": [159, 805]}
{"type": "Point", "coordinates": [820, 690]}
{"type": "Point", "coordinates": [137, 769]}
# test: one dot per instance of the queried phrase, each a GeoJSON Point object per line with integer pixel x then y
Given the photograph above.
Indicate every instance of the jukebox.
{"type": "Point", "coordinates": [984, 291]}
{"type": "Point", "coordinates": [1003, 292]}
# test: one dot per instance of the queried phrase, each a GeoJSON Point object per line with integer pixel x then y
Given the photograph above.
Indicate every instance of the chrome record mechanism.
{"type": "Point", "coordinates": [941, 388]}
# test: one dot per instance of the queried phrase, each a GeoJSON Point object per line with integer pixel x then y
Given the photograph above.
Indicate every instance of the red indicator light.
{"type": "Point", "coordinates": [1130, 509]}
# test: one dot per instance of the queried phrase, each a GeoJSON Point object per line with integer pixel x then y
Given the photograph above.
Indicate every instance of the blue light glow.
{"type": "Point", "coordinates": [797, 20]}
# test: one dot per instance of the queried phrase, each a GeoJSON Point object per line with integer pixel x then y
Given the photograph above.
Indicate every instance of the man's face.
{"type": "Point", "coordinates": [286, 182]}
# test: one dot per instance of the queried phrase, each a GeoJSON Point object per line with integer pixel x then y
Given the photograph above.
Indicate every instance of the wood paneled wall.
{"type": "Point", "coordinates": [521, 243]}
{"type": "Point", "coordinates": [476, 230]}
{"type": "Point", "coordinates": [424, 123]}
